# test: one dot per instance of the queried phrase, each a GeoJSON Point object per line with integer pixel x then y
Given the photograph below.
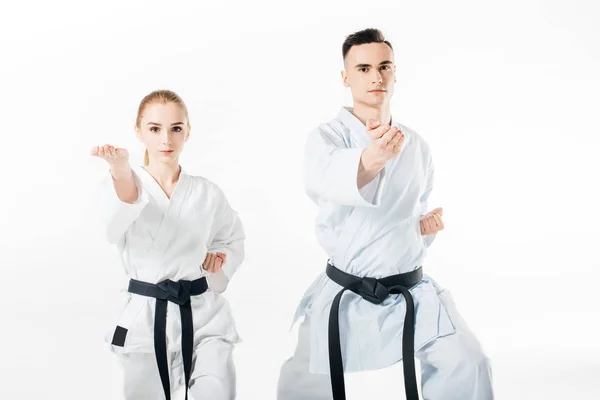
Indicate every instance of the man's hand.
{"type": "Point", "coordinates": [214, 262]}
{"type": "Point", "coordinates": [386, 143]}
{"type": "Point", "coordinates": [431, 223]}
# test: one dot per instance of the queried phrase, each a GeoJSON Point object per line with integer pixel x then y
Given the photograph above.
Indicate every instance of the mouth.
{"type": "Point", "coordinates": [166, 152]}
{"type": "Point", "coordinates": [377, 91]}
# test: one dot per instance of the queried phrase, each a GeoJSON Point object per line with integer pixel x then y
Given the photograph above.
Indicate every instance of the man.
{"type": "Point", "coordinates": [371, 178]}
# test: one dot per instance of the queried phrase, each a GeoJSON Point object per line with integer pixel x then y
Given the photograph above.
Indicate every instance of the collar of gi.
{"type": "Point", "coordinates": [182, 172]}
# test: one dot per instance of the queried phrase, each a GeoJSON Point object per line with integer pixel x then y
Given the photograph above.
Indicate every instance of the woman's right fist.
{"type": "Point", "coordinates": [115, 157]}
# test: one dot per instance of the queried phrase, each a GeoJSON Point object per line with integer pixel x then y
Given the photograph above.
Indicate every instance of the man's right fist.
{"type": "Point", "coordinates": [386, 141]}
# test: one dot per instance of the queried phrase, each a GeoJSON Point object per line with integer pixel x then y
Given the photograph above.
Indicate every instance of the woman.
{"type": "Point", "coordinates": [180, 243]}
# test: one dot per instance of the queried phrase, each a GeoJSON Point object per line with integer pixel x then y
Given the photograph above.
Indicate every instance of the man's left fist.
{"type": "Point", "coordinates": [431, 223]}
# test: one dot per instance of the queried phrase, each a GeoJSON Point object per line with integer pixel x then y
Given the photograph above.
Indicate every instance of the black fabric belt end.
{"type": "Point", "coordinates": [179, 293]}
{"type": "Point", "coordinates": [375, 291]}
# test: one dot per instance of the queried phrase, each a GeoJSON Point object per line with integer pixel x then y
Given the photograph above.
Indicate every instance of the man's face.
{"type": "Point", "coordinates": [370, 73]}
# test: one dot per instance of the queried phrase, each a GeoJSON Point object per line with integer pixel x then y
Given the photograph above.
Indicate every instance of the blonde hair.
{"type": "Point", "coordinates": [162, 97]}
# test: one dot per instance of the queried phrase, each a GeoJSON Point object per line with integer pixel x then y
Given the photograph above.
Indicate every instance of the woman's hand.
{"type": "Point", "coordinates": [117, 158]}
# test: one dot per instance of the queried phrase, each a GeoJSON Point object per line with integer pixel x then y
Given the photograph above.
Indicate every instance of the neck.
{"type": "Point", "coordinates": [365, 112]}
{"type": "Point", "coordinates": [164, 173]}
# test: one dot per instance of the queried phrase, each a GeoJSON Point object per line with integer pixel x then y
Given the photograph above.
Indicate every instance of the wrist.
{"type": "Point", "coordinates": [120, 171]}
{"type": "Point", "coordinates": [370, 161]}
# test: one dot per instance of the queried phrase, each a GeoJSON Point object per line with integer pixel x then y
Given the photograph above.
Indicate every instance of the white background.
{"type": "Point", "coordinates": [506, 93]}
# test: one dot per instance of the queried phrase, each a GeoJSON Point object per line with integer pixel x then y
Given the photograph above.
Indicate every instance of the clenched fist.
{"type": "Point", "coordinates": [214, 262]}
{"type": "Point", "coordinates": [386, 142]}
{"type": "Point", "coordinates": [431, 223]}
{"type": "Point", "coordinates": [112, 155]}
{"type": "Point", "coordinates": [117, 158]}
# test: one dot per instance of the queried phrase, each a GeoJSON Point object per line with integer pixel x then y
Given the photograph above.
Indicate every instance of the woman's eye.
{"type": "Point", "coordinates": [176, 129]}
{"type": "Point", "coordinates": [154, 129]}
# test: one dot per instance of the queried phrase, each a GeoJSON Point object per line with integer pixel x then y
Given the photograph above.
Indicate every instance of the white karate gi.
{"type": "Point", "coordinates": [375, 232]}
{"type": "Point", "coordinates": [160, 238]}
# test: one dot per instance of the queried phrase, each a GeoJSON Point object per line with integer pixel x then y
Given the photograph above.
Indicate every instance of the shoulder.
{"type": "Point", "coordinates": [204, 185]}
{"type": "Point", "coordinates": [202, 182]}
{"type": "Point", "coordinates": [332, 132]}
{"type": "Point", "coordinates": [415, 138]}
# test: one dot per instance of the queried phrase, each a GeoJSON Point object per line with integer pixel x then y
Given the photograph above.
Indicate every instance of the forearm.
{"type": "Point", "coordinates": [368, 169]}
{"type": "Point", "coordinates": [124, 183]}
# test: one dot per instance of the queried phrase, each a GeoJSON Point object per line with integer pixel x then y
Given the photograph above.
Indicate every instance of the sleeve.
{"type": "Point", "coordinates": [228, 238]}
{"type": "Point", "coordinates": [116, 214]}
{"type": "Point", "coordinates": [428, 239]}
{"type": "Point", "coordinates": [331, 172]}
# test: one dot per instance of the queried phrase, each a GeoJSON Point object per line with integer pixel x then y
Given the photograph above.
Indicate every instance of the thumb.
{"type": "Point", "coordinates": [372, 124]}
{"type": "Point", "coordinates": [438, 210]}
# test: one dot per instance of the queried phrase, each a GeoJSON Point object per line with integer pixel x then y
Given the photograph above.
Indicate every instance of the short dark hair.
{"type": "Point", "coordinates": [363, 37]}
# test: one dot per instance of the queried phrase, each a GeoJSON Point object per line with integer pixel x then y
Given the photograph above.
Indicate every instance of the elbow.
{"type": "Point", "coordinates": [218, 288]}
{"type": "Point", "coordinates": [113, 233]}
{"type": "Point", "coordinates": [111, 237]}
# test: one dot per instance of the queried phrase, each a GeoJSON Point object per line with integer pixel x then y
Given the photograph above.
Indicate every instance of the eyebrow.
{"type": "Point", "coordinates": [157, 124]}
{"type": "Point", "coordinates": [386, 62]}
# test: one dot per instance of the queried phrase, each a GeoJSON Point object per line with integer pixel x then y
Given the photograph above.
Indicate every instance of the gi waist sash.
{"type": "Point", "coordinates": [374, 291]}
{"type": "Point", "coordinates": [178, 293]}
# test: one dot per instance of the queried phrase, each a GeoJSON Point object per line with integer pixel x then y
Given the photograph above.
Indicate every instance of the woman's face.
{"type": "Point", "coordinates": [163, 129]}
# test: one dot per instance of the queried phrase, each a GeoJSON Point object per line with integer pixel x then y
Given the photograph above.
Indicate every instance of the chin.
{"type": "Point", "coordinates": [167, 159]}
{"type": "Point", "coordinates": [375, 102]}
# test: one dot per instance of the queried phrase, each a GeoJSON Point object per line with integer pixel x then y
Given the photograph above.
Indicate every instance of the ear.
{"type": "Point", "coordinates": [345, 78]}
{"type": "Point", "coordinates": [187, 136]}
{"type": "Point", "coordinates": [138, 132]}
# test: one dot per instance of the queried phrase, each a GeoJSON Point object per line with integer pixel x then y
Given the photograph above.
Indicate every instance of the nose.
{"type": "Point", "coordinates": [377, 78]}
{"type": "Point", "coordinates": [165, 137]}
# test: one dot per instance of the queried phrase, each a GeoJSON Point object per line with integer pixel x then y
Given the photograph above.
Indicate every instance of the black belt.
{"type": "Point", "coordinates": [178, 293]}
{"type": "Point", "coordinates": [375, 291]}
